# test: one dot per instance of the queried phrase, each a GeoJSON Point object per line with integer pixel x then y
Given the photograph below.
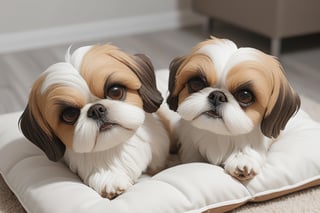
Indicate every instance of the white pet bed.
{"type": "Point", "coordinates": [45, 186]}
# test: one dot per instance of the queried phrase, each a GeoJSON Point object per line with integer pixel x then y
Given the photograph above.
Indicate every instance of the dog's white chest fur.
{"type": "Point", "coordinates": [232, 152]}
{"type": "Point", "coordinates": [116, 169]}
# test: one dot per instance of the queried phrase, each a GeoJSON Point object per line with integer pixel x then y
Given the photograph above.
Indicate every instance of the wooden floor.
{"type": "Point", "coordinates": [19, 70]}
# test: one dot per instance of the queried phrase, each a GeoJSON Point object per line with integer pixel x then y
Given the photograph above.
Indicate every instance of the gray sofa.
{"type": "Point", "coordinates": [275, 19]}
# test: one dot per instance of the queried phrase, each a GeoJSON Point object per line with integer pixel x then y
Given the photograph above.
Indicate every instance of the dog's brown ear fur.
{"type": "Point", "coordinates": [141, 66]}
{"type": "Point", "coordinates": [41, 136]}
{"type": "Point", "coordinates": [172, 99]}
{"type": "Point", "coordinates": [149, 93]}
{"type": "Point", "coordinates": [283, 104]}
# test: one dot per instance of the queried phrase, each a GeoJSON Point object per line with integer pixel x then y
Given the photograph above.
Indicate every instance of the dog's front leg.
{"type": "Point", "coordinates": [109, 183]}
{"type": "Point", "coordinates": [244, 164]}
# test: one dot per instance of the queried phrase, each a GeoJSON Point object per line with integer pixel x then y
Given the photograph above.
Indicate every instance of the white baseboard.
{"type": "Point", "coordinates": [18, 41]}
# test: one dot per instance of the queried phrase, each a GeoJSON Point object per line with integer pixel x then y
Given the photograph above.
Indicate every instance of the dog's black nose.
{"type": "Point", "coordinates": [96, 111]}
{"type": "Point", "coordinates": [217, 97]}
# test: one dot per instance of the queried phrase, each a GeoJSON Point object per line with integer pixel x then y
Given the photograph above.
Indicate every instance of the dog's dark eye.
{"type": "Point", "coordinates": [116, 92]}
{"type": "Point", "coordinates": [196, 84]}
{"type": "Point", "coordinates": [244, 97]}
{"type": "Point", "coordinates": [70, 115]}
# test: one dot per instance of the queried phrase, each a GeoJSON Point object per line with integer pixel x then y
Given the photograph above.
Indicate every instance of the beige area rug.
{"type": "Point", "coordinates": [303, 201]}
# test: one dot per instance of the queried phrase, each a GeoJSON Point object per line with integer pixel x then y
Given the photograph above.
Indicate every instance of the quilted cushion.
{"type": "Point", "coordinates": [45, 186]}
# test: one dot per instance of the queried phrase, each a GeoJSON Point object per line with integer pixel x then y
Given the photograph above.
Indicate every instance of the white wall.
{"type": "Point", "coordinates": [25, 15]}
{"type": "Point", "coordinates": [26, 24]}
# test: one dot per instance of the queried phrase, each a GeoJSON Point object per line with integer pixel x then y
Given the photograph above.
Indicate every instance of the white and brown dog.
{"type": "Point", "coordinates": [233, 102]}
{"type": "Point", "coordinates": [96, 112]}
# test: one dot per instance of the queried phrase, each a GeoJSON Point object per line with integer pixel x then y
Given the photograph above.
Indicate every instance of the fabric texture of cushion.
{"type": "Point", "coordinates": [45, 186]}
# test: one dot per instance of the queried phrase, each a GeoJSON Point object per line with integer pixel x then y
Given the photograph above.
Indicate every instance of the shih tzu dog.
{"type": "Point", "coordinates": [233, 102]}
{"type": "Point", "coordinates": [96, 112]}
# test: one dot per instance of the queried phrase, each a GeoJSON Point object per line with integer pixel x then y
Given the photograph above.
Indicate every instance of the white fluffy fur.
{"type": "Point", "coordinates": [77, 56]}
{"type": "Point", "coordinates": [234, 122]}
{"type": "Point", "coordinates": [232, 152]}
{"type": "Point", "coordinates": [87, 136]}
{"type": "Point", "coordinates": [219, 53]}
{"type": "Point", "coordinates": [114, 170]}
{"type": "Point", "coordinates": [64, 74]}
{"type": "Point", "coordinates": [225, 54]}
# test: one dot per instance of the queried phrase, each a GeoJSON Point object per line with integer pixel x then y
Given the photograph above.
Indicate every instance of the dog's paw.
{"type": "Point", "coordinates": [112, 194]}
{"type": "Point", "coordinates": [243, 174]}
{"type": "Point", "coordinates": [242, 166]}
{"type": "Point", "coordinates": [109, 184]}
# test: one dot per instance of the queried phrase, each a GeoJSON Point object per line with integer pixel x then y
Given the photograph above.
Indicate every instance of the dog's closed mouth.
{"type": "Point", "coordinates": [213, 114]}
{"type": "Point", "coordinates": [106, 126]}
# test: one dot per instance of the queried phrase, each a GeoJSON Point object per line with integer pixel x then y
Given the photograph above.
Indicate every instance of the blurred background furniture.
{"type": "Point", "coordinates": [275, 19]}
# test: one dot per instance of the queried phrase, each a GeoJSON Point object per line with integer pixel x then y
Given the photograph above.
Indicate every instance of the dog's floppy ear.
{"type": "Point", "coordinates": [283, 104]}
{"type": "Point", "coordinates": [41, 135]}
{"type": "Point", "coordinates": [149, 93]}
{"type": "Point", "coordinates": [172, 99]}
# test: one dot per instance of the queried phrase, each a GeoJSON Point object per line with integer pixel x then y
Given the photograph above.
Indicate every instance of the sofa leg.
{"type": "Point", "coordinates": [210, 25]}
{"type": "Point", "coordinates": [275, 46]}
